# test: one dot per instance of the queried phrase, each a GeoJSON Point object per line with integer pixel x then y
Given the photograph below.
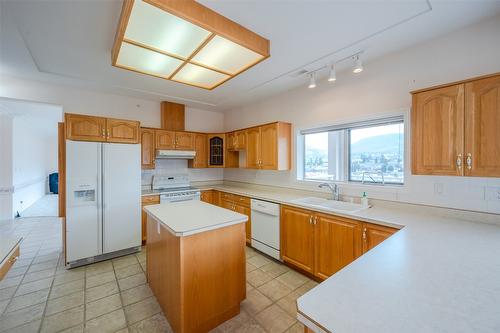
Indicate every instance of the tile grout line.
{"type": "Point", "coordinates": [47, 300]}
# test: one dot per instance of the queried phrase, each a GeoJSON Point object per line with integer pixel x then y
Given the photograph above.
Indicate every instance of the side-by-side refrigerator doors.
{"type": "Point", "coordinates": [121, 179]}
{"type": "Point", "coordinates": [83, 198]}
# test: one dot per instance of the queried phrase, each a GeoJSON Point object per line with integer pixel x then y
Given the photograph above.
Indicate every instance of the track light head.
{"type": "Point", "coordinates": [333, 74]}
{"type": "Point", "coordinates": [358, 65]}
{"type": "Point", "coordinates": [312, 81]}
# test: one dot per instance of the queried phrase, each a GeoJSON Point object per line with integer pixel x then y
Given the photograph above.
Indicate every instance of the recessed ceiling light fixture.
{"type": "Point", "coordinates": [184, 41]}
{"type": "Point", "coordinates": [312, 81]}
{"type": "Point", "coordinates": [358, 65]}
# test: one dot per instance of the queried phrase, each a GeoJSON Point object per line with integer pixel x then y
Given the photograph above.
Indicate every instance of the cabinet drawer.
{"type": "Point", "coordinates": [238, 199]}
{"type": "Point", "coordinates": [150, 199]}
{"type": "Point", "coordinates": [9, 261]}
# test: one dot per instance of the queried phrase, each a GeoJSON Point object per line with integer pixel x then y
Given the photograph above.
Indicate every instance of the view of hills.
{"type": "Point", "coordinates": [387, 143]}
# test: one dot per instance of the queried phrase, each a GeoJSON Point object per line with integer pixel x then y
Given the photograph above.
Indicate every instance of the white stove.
{"type": "Point", "coordinates": [175, 188]}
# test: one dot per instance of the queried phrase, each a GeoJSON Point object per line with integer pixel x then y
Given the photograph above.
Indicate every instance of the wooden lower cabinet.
{"type": "Point", "coordinates": [207, 196]}
{"type": "Point", "coordinates": [147, 200]}
{"type": "Point", "coordinates": [374, 234]}
{"type": "Point", "coordinates": [240, 205]}
{"type": "Point", "coordinates": [322, 244]}
{"type": "Point", "coordinates": [297, 237]}
{"type": "Point", "coordinates": [337, 243]}
{"type": "Point", "coordinates": [9, 261]}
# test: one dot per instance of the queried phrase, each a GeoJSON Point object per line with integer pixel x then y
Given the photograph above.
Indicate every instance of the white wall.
{"type": "Point", "coordinates": [383, 88]}
{"type": "Point", "coordinates": [6, 187]}
{"type": "Point", "coordinates": [75, 100]}
{"type": "Point", "coordinates": [34, 156]}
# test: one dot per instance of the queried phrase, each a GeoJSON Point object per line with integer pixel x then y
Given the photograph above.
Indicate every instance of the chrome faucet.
{"type": "Point", "coordinates": [334, 188]}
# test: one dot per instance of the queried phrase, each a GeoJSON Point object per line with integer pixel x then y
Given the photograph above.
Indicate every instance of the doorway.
{"type": "Point", "coordinates": [29, 167]}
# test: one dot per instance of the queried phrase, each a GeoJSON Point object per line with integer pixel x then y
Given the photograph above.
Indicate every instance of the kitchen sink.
{"type": "Point", "coordinates": [332, 205]}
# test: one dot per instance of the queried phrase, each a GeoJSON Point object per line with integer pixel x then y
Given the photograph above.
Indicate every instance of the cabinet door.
{"type": "Point", "coordinates": [482, 127]}
{"type": "Point", "coordinates": [147, 148]}
{"type": "Point", "coordinates": [269, 147]}
{"type": "Point", "coordinates": [201, 147]}
{"type": "Point", "coordinates": [373, 235]}
{"type": "Point", "coordinates": [230, 141]}
{"type": "Point", "coordinates": [216, 150]}
{"type": "Point", "coordinates": [164, 139]}
{"type": "Point", "coordinates": [253, 148]}
{"type": "Point", "coordinates": [338, 243]}
{"type": "Point", "coordinates": [207, 196]}
{"type": "Point", "coordinates": [184, 141]}
{"type": "Point", "coordinates": [85, 128]}
{"type": "Point", "coordinates": [227, 204]}
{"type": "Point", "coordinates": [297, 238]}
{"type": "Point", "coordinates": [437, 131]}
{"type": "Point", "coordinates": [248, 226]}
{"type": "Point", "coordinates": [122, 131]}
{"type": "Point", "coordinates": [240, 140]}
{"type": "Point", "coordinates": [147, 200]}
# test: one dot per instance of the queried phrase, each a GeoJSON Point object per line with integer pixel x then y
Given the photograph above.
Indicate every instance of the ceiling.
{"type": "Point", "coordinates": [40, 117]}
{"type": "Point", "coordinates": [69, 42]}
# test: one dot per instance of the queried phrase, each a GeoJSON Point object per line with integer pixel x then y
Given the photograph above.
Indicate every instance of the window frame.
{"type": "Point", "coordinates": [346, 128]}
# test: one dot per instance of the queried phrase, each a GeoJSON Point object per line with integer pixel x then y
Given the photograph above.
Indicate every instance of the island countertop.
{"type": "Point", "coordinates": [191, 217]}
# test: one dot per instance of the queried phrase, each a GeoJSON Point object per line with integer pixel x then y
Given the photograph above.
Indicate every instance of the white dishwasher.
{"type": "Point", "coordinates": [266, 227]}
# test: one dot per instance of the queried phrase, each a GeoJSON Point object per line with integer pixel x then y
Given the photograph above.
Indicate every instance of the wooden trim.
{"type": "Point", "coordinates": [61, 143]}
{"type": "Point", "coordinates": [455, 83]}
{"type": "Point", "coordinates": [195, 52]}
{"type": "Point", "coordinates": [210, 20]}
{"type": "Point", "coordinates": [122, 26]}
{"type": "Point", "coordinates": [9, 261]}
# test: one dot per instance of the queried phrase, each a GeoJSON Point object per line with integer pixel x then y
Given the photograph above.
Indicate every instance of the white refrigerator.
{"type": "Point", "coordinates": [103, 201]}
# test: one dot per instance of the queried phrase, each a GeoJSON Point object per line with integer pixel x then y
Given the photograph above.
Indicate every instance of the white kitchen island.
{"type": "Point", "coordinates": [196, 263]}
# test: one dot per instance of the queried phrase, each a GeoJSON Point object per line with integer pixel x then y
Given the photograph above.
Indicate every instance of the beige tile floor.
{"type": "Point", "coordinates": [40, 295]}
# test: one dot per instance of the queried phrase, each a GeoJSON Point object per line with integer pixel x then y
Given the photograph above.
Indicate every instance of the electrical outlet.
{"type": "Point", "coordinates": [492, 193]}
{"type": "Point", "coordinates": [438, 188]}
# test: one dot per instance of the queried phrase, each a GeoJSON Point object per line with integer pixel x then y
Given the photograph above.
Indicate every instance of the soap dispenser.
{"type": "Point", "coordinates": [364, 200]}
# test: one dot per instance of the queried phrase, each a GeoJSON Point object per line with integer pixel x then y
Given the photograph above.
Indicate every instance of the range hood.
{"type": "Point", "coordinates": [176, 154]}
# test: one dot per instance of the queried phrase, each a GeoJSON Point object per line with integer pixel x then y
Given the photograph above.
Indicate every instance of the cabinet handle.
{"type": "Point", "coordinates": [108, 134]}
{"type": "Point", "coordinates": [469, 161]}
{"type": "Point", "coordinates": [315, 220]}
{"type": "Point", "coordinates": [310, 219]}
{"type": "Point", "coordinates": [364, 234]}
{"type": "Point", "coordinates": [103, 133]}
{"type": "Point", "coordinates": [459, 161]}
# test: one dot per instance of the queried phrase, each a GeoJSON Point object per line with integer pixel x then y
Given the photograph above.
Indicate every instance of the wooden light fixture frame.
{"type": "Point", "coordinates": [203, 17]}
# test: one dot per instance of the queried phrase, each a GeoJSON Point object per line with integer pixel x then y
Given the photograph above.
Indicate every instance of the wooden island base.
{"type": "Point", "coordinates": [198, 280]}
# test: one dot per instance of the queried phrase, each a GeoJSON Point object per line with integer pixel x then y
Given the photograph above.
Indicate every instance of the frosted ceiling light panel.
{"type": "Point", "coordinates": [224, 55]}
{"type": "Point", "coordinates": [143, 60]}
{"type": "Point", "coordinates": [199, 76]}
{"type": "Point", "coordinates": [163, 31]}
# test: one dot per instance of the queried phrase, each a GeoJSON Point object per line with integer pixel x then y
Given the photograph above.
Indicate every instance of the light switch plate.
{"type": "Point", "coordinates": [492, 193]}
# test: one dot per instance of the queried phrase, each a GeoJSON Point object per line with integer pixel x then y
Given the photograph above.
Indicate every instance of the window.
{"type": "Point", "coordinates": [368, 152]}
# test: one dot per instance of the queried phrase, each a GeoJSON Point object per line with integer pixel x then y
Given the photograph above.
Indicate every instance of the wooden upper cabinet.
{"type": "Point", "coordinates": [437, 131]}
{"type": "Point", "coordinates": [338, 242]}
{"type": "Point", "coordinates": [184, 141]}
{"type": "Point", "coordinates": [297, 237]}
{"type": "Point", "coordinates": [164, 139]}
{"type": "Point", "coordinates": [147, 148]}
{"type": "Point", "coordinates": [240, 140]}
{"type": "Point", "coordinates": [374, 234]}
{"type": "Point", "coordinates": [253, 147]}
{"type": "Point", "coordinates": [201, 147]}
{"type": "Point", "coordinates": [122, 131]}
{"type": "Point", "coordinates": [230, 141]}
{"type": "Point", "coordinates": [269, 147]}
{"type": "Point", "coordinates": [85, 128]}
{"type": "Point", "coordinates": [482, 130]}
{"type": "Point", "coordinates": [216, 150]}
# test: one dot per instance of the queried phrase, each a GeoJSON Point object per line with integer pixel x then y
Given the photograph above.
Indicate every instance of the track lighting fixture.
{"type": "Point", "coordinates": [357, 68]}
{"type": "Point", "coordinates": [333, 74]}
{"type": "Point", "coordinates": [358, 65]}
{"type": "Point", "coordinates": [312, 80]}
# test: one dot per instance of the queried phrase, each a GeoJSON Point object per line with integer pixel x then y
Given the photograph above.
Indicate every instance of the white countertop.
{"type": "Point", "coordinates": [439, 273]}
{"type": "Point", "coordinates": [191, 217]}
{"type": "Point", "coordinates": [6, 246]}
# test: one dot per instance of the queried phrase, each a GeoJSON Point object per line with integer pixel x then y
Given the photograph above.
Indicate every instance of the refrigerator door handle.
{"type": "Point", "coordinates": [100, 198]}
